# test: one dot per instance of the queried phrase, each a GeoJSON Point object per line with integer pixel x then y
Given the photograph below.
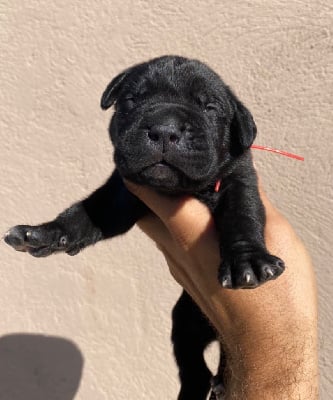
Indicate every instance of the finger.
{"type": "Point", "coordinates": [162, 206]}
{"type": "Point", "coordinates": [186, 218]}
{"type": "Point", "coordinates": [154, 228]}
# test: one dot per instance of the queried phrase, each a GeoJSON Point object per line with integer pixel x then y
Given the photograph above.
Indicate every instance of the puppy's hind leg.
{"type": "Point", "coordinates": [191, 333]}
{"type": "Point", "coordinates": [217, 382]}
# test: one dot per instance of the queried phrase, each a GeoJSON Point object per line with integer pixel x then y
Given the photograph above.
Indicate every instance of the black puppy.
{"type": "Point", "coordinates": [179, 129]}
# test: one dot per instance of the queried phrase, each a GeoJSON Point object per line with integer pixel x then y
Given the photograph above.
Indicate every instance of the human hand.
{"type": "Point", "coordinates": [269, 334]}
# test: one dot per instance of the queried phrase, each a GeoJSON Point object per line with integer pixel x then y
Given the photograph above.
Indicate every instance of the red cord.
{"type": "Point", "coordinates": [284, 153]}
{"type": "Point", "coordinates": [255, 146]}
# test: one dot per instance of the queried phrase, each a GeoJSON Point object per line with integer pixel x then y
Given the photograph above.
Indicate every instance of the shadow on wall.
{"type": "Point", "coordinates": [37, 367]}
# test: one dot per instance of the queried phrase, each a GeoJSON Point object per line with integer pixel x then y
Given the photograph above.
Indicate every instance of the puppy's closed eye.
{"type": "Point", "coordinates": [129, 101]}
{"type": "Point", "coordinates": [206, 104]}
{"type": "Point", "coordinates": [211, 107]}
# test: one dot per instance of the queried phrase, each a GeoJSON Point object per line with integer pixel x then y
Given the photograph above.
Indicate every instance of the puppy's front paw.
{"type": "Point", "coordinates": [39, 241]}
{"type": "Point", "coordinates": [249, 269]}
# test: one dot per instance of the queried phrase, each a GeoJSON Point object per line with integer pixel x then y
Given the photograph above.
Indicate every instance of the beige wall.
{"type": "Point", "coordinates": [105, 313]}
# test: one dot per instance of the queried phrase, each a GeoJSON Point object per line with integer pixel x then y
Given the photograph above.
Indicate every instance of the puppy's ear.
{"type": "Point", "coordinates": [243, 129]}
{"type": "Point", "coordinates": [112, 90]}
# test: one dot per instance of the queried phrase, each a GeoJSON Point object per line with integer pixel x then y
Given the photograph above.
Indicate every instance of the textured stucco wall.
{"type": "Point", "coordinates": [98, 324]}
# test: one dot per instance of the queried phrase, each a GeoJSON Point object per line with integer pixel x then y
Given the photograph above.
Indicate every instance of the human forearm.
{"type": "Point", "coordinates": [269, 334]}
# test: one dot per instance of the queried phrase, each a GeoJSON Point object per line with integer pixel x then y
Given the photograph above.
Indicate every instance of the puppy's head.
{"type": "Point", "coordinates": [176, 124]}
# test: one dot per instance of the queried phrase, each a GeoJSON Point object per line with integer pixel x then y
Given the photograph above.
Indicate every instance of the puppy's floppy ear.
{"type": "Point", "coordinates": [243, 129]}
{"type": "Point", "coordinates": [112, 90]}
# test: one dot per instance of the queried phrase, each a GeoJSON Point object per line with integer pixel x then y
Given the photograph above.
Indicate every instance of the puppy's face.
{"type": "Point", "coordinates": [175, 124]}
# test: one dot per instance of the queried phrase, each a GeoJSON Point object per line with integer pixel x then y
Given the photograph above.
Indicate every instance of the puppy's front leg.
{"type": "Point", "coordinates": [240, 221]}
{"type": "Point", "coordinates": [109, 211]}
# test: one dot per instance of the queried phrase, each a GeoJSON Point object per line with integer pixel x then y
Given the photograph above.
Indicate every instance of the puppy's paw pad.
{"type": "Point", "coordinates": [40, 251]}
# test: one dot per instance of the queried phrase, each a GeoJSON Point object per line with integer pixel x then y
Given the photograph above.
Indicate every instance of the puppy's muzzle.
{"type": "Point", "coordinates": [166, 135]}
{"type": "Point", "coordinates": [166, 128]}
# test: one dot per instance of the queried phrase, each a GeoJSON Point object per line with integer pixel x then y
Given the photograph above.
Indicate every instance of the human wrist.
{"type": "Point", "coordinates": [269, 334]}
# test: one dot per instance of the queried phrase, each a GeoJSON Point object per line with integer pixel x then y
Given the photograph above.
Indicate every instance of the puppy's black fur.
{"type": "Point", "coordinates": [179, 129]}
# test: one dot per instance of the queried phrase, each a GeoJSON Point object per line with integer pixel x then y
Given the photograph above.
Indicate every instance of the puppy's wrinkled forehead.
{"type": "Point", "coordinates": [175, 76]}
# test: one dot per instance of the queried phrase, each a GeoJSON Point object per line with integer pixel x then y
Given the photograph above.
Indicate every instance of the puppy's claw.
{"type": "Point", "coordinates": [269, 272]}
{"type": "Point", "coordinates": [247, 277]}
{"type": "Point", "coordinates": [63, 241]}
{"type": "Point", "coordinates": [27, 235]}
{"type": "Point", "coordinates": [226, 282]}
{"type": "Point", "coordinates": [248, 280]}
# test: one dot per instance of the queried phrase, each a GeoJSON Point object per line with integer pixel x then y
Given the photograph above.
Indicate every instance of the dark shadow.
{"type": "Point", "coordinates": [38, 367]}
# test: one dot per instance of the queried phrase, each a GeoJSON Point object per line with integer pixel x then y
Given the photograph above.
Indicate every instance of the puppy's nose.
{"type": "Point", "coordinates": [164, 134]}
